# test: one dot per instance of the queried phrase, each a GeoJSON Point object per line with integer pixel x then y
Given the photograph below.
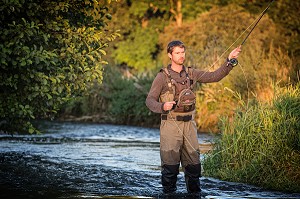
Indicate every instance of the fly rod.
{"type": "Point", "coordinates": [263, 13]}
{"type": "Point", "coordinates": [234, 61]}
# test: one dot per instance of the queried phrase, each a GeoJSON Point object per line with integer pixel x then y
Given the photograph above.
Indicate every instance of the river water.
{"type": "Point", "coordinates": [73, 160]}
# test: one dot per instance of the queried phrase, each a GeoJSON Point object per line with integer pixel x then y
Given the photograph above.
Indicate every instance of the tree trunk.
{"type": "Point", "coordinates": [177, 12]}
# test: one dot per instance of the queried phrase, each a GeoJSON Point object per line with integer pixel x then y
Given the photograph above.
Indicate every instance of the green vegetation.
{"type": "Point", "coordinates": [50, 52]}
{"type": "Point", "coordinates": [118, 100]}
{"type": "Point", "coordinates": [261, 144]}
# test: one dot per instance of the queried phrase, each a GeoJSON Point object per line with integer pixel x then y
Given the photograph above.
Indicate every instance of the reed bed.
{"type": "Point", "coordinates": [260, 145]}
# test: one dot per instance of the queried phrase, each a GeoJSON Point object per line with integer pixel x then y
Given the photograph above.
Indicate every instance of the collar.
{"type": "Point", "coordinates": [183, 69]}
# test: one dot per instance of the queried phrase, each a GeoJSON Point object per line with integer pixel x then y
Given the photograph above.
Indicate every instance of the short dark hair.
{"type": "Point", "coordinates": [175, 43]}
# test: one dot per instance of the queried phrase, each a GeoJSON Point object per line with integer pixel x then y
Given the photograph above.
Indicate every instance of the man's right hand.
{"type": "Point", "coordinates": [168, 105]}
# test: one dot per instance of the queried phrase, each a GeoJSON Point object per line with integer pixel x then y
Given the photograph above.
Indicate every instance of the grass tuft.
{"type": "Point", "coordinates": [261, 144]}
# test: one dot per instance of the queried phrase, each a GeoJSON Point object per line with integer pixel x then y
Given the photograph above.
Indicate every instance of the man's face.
{"type": "Point", "coordinates": [178, 55]}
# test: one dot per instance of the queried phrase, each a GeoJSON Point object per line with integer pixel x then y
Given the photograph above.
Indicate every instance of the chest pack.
{"type": "Point", "coordinates": [180, 92]}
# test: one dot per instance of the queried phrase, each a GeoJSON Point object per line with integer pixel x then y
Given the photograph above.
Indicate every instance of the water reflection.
{"type": "Point", "coordinates": [98, 161]}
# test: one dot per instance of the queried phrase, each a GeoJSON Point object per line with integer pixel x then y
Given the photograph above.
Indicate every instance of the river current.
{"type": "Point", "coordinates": [74, 160]}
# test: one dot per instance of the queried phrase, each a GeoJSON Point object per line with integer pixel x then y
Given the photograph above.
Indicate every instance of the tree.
{"type": "Point", "coordinates": [175, 9]}
{"type": "Point", "coordinates": [50, 52]}
{"type": "Point", "coordinates": [141, 24]}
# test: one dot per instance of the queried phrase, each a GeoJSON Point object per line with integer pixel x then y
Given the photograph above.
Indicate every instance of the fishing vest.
{"type": "Point", "coordinates": [180, 92]}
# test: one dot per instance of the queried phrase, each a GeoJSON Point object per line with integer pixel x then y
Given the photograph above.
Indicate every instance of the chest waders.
{"type": "Point", "coordinates": [178, 136]}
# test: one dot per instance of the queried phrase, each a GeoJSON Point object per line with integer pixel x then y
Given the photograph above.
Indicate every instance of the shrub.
{"type": "Point", "coordinates": [120, 99]}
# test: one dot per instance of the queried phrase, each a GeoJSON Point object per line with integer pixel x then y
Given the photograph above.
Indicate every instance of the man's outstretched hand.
{"type": "Point", "coordinates": [235, 53]}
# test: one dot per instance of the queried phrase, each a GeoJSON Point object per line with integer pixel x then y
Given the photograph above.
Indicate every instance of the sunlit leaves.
{"type": "Point", "coordinates": [137, 51]}
{"type": "Point", "coordinates": [50, 51]}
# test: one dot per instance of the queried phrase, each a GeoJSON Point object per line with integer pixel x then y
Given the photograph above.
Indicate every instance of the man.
{"type": "Point", "coordinates": [171, 94]}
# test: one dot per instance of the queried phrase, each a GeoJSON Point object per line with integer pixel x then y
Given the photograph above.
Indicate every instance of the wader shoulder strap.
{"type": "Point", "coordinates": [190, 71]}
{"type": "Point", "coordinates": [169, 79]}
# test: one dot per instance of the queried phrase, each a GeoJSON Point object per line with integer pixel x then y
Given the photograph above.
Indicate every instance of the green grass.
{"type": "Point", "coordinates": [261, 144]}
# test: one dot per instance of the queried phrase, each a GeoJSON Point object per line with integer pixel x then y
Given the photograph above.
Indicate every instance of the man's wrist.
{"type": "Point", "coordinates": [162, 108]}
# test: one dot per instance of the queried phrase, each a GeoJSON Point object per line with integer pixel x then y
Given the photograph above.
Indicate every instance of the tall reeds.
{"type": "Point", "coordinates": [261, 144]}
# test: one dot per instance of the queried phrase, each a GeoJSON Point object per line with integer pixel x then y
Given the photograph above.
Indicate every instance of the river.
{"type": "Point", "coordinates": [75, 160]}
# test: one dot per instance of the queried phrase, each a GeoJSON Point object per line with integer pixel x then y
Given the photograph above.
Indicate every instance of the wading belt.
{"type": "Point", "coordinates": [184, 118]}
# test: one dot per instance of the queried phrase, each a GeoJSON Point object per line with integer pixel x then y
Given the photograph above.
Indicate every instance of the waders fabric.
{"type": "Point", "coordinates": [178, 141]}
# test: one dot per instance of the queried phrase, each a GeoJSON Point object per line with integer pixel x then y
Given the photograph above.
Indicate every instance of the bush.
{"type": "Point", "coordinates": [50, 52]}
{"type": "Point", "coordinates": [120, 99]}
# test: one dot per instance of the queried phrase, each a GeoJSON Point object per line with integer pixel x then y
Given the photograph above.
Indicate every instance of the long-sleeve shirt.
{"type": "Point", "coordinates": [159, 84]}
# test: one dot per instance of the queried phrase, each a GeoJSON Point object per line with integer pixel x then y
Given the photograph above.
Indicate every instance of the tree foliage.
{"type": "Point", "coordinates": [50, 52]}
{"type": "Point", "coordinates": [147, 14]}
{"type": "Point", "coordinates": [140, 52]}
{"type": "Point", "coordinates": [138, 46]}
{"type": "Point", "coordinates": [142, 23]}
